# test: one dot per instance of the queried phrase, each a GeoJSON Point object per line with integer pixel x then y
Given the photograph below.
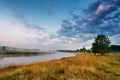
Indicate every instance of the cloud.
{"type": "Point", "coordinates": [27, 34]}
{"type": "Point", "coordinates": [31, 31]}
{"type": "Point", "coordinates": [101, 17]}
{"type": "Point", "coordinates": [16, 31]}
{"type": "Point", "coordinates": [20, 17]}
{"type": "Point", "coordinates": [115, 39]}
{"type": "Point", "coordinates": [100, 11]}
{"type": "Point", "coordinates": [14, 34]}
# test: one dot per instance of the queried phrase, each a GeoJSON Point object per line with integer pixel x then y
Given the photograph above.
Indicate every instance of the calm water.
{"type": "Point", "coordinates": [12, 59]}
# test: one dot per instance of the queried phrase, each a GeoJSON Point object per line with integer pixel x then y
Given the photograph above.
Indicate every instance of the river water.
{"type": "Point", "coordinates": [15, 60]}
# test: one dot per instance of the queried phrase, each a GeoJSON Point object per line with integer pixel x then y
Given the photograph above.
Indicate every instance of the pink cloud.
{"type": "Point", "coordinates": [100, 8]}
{"type": "Point", "coordinates": [103, 7]}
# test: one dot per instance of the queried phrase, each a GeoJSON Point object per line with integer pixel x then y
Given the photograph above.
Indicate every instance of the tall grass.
{"type": "Point", "coordinates": [80, 67]}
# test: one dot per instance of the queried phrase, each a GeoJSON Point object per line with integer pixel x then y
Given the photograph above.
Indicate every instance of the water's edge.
{"type": "Point", "coordinates": [17, 60]}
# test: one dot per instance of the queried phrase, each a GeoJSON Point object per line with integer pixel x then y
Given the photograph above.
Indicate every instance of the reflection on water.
{"type": "Point", "coordinates": [26, 59]}
{"type": "Point", "coordinates": [19, 55]}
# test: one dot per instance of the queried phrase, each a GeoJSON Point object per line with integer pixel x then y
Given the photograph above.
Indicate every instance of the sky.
{"type": "Point", "coordinates": [58, 24]}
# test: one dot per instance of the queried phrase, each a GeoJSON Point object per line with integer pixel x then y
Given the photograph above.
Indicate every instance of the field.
{"type": "Point", "coordinates": [80, 67]}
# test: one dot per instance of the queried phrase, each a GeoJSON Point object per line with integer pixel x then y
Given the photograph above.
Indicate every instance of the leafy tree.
{"type": "Point", "coordinates": [101, 45]}
{"type": "Point", "coordinates": [83, 49]}
{"type": "Point", "coordinates": [77, 50]}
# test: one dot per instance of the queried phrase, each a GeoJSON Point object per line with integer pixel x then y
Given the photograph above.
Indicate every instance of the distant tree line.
{"type": "Point", "coordinates": [101, 46]}
{"type": "Point", "coordinates": [115, 48]}
{"type": "Point", "coordinates": [77, 50]}
{"type": "Point", "coordinates": [3, 47]}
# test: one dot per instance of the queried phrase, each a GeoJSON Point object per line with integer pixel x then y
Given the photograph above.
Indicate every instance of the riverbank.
{"type": "Point", "coordinates": [80, 67]}
{"type": "Point", "coordinates": [18, 59]}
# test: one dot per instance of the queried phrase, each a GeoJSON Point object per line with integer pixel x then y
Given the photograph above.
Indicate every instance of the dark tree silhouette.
{"type": "Point", "coordinates": [83, 49]}
{"type": "Point", "coordinates": [101, 45]}
{"type": "Point", "coordinates": [115, 48]}
{"type": "Point", "coordinates": [3, 48]}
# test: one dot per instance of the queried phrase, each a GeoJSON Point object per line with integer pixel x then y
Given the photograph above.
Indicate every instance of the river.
{"type": "Point", "coordinates": [15, 60]}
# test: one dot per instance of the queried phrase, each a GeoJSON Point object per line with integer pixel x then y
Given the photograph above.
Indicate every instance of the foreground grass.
{"type": "Point", "coordinates": [80, 67]}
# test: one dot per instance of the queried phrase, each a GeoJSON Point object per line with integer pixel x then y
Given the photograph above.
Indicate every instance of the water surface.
{"type": "Point", "coordinates": [18, 59]}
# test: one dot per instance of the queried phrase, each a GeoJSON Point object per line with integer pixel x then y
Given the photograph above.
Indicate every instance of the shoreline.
{"type": "Point", "coordinates": [83, 66]}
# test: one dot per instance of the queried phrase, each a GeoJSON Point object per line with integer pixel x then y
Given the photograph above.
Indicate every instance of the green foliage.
{"type": "Point", "coordinates": [101, 45]}
{"type": "Point", "coordinates": [115, 48]}
{"type": "Point", "coordinates": [83, 50]}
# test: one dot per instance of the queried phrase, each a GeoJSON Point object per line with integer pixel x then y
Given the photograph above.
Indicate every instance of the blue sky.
{"type": "Point", "coordinates": [58, 24]}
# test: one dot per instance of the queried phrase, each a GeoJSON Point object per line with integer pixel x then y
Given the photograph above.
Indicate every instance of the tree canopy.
{"type": "Point", "coordinates": [101, 45]}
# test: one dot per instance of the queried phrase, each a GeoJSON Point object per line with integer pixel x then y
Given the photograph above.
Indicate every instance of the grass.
{"type": "Point", "coordinates": [80, 67]}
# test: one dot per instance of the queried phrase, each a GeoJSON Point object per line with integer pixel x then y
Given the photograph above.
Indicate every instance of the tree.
{"type": "Point", "coordinates": [3, 48]}
{"type": "Point", "coordinates": [83, 49]}
{"type": "Point", "coordinates": [101, 45]}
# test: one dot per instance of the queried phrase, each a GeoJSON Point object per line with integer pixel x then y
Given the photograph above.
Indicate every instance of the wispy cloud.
{"type": "Point", "coordinates": [115, 39]}
{"type": "Point", "coordinates": [101, 17]}
{"type": "Point", "coordinates": [16, 30]}
{"type": "Point", "coordinates": [21, 18]}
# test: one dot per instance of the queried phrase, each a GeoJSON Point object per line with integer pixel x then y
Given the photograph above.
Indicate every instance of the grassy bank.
{"type": "Point", "coordinates": [80, 67]}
